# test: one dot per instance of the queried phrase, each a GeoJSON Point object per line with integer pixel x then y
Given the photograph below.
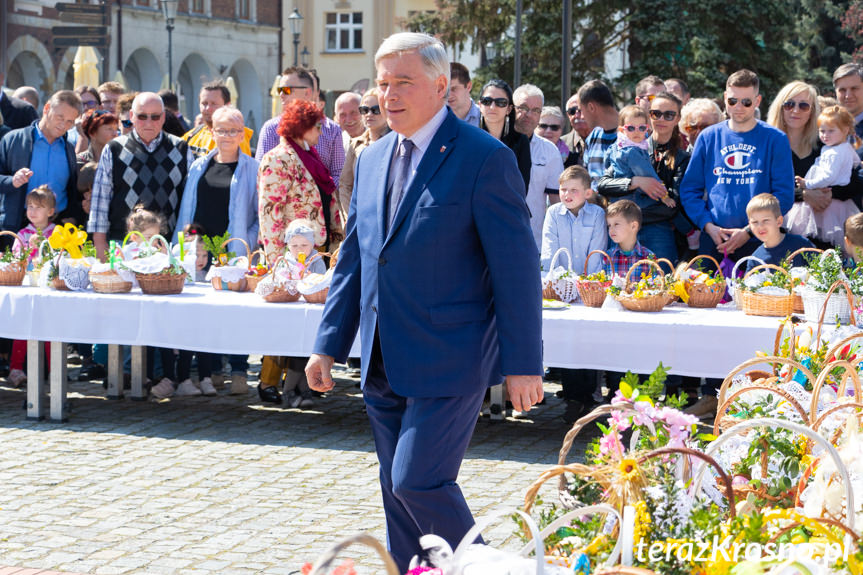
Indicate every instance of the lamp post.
{"type": "Point", "coordinates": [490, 53]}
{"type": "Point", "coordinates": [295, 20]}
{"type": "Point", "coordinates": [305, 54]}
{"type": "Point", "coordinates": [169, 10]}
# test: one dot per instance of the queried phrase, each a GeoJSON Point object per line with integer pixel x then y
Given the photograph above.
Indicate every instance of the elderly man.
{"type": "Point", "coordinates": [298, 83]}
{"type": "Point", "coordinates": [459, 99]}
{"type": "Point", "coordinates": [147, 166]}
{"type": "Point", "coordinates": [213, 96]}
{"type": "Point", "coordinates": [574, 139]}
{"type": "Point", "coordinates": [434, 198]}
{"type": "Point", "coordinates": [16, 112]}
{"type": "Point", "coordinates": [39, 154]}
{"type": "Point", "coordinates": [348, 116]}
{"type": "Point", "coordinates": [546, 163]}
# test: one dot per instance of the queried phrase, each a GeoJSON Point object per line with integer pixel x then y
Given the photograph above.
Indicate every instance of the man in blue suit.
{"type": "Point", "coordinates": [440, 273]}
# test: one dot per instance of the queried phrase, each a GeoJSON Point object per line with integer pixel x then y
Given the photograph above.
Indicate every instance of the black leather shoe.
{"type": "Point", "coordinates": [269, 394]}
{"type": "Point", "coordinates": [92, 372]}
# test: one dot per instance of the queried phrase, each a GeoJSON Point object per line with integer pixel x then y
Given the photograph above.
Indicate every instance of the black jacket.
{"type": "Point", "coordinates": [16, 148]}
{"type": "Point", "coordinates": [16, 112]}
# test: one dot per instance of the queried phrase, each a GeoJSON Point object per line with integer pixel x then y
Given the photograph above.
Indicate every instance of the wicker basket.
{"type": "Point", "coordinates": [14, 273]}
{"type": "Point", "coordinates": [592, 292]}
{"type": "Point", "coordinates": [732, 281]}
{"type": "Point", "coordinates": [242, 283]}
{"type": "Point", "coordinates": [323, 564]}
{"type": "Point", "coordinates": [702, 295]}
{"type": "Point", "coordinates": [562, 289]}
{"type": "Point", "coordinates": [654, 302]}
{"type": "Point", "coordinates": [109, 282]}
{"type": "Point", "coordinates": [59, 285]}
{"type": "Point", "coordinates": [798, 299]}
{"type": "Point", "coordinates": [162, 283]}
{"type": "Point", "coordinates": [280, 294]}
{"type": "Point", "coordinates": [252, 279]}
{"type": "Point", "coordinates": [763, 304]}
{"type": "Point", "coordinates": [821, 306]}
{"type": "Point", "coordinates": [318, 296]}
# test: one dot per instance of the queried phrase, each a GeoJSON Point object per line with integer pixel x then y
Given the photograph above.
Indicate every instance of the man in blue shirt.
{"type": "Point", "coordinates": [39, 154]}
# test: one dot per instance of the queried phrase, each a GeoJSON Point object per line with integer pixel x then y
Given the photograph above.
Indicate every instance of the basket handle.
{"type": "Point", "coordinates": [850, 372]}
{"type": "Point", "coordinates": [262, 256]}
{"type": "Point", "coordinates": [131, 234]}
{"type": "Point", "coordinates": [330, 554]}
{"type": "Point", "coordinates": [485, 521]}
{"type": "Point", "coordinates": [830, 292]}
{"type": "Point", "coordinates": [786, 324]}
{"type": "Point", "coordinates": [772, 360]}
{"type": "Point", "coordinates": [723, 407]}
{"type": "Point", "coordinates": [666, 261]}
{"type": "Point", "coordinates": [587, 259]}
{"type": "Point", "coordinates": [17, 238]}
{"type": "Point", "coordinates": [790, 257]}
{"type": "Point", "coordinates": [831, 410]}
{"type": "Point", "coordinates": [706, 257]}
{"type": "Point", "coordinates": [745, 259]}
{"type": "Point", "coordinates": [554, 259]}
{"type": "Point", "coordinates": [238, 239]}
{"type": "Point", "coordinates": [649, 263]}
{"type": "Point", "coordinates": [764, 267]}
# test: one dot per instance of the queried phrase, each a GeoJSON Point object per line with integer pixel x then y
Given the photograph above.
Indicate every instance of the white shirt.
{"type": "Point", "coordinates": [546, 167]}
{"type": "Point", "coordinates": [421, 140]}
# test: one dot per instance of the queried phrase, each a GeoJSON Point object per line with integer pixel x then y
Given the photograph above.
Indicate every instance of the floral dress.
{"type": "Point", "coordinates": [286, 192]}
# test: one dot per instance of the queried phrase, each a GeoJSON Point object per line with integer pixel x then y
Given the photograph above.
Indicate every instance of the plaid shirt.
{"type": "Point", "coordinates": [329, 147]}
{"type": "Point", "coordinates": [621, 261]}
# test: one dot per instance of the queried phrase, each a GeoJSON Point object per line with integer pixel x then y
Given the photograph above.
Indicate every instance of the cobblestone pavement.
{"type": "Point", "coordinates": [200, 486]}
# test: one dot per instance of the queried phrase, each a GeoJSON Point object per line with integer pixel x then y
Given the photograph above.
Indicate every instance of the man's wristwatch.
{"type": "Point", "coordinates": [748, 230]}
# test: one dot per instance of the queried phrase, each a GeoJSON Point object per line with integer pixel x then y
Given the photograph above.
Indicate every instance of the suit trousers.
{"type": "Point", "coordinates": [420, 443]}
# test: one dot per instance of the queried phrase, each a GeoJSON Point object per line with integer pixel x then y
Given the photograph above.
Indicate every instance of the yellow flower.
{"type": "Point", "coordinates": [68, 238]}
{"type": "Point", "coordinates": [628, 468]}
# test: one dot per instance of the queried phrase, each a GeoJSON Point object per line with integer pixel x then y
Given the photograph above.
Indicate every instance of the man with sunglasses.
{"type": "Point", "coordinates": [147, 166]}
{"type": "Point", "coordinates": [546, 163]}
{"type": "Point", "coordinates": [574, 139]}
{"type": "Point", "coordinates": [298, 83]}
{"type": "Point", "coordinates": [734, 161]}
{"type": "Point", "coordinates": [646, 89]}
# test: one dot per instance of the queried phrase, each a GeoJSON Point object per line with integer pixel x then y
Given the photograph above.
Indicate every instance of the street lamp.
{"type": "Point", "coordinates": [169, 11]}
{"type": "Point", "coordinates": [490, 52]}
{"type": "Point", "coordinates": [295, 20]}
{"type": "Point", "coordinates": [305, 54]}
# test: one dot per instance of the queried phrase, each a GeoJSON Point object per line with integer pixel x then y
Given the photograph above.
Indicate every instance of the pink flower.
{"type": "Point", "coordinates": [676, 417]}
{"type": "Point", "coordinates": [610, 443]}
{"type": "Point", "coordinates": [620, 420]}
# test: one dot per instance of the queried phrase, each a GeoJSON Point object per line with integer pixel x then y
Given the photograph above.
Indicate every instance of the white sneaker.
{"type": "Point", "coordinates": [16, 377]}
{"type": "Point", "coordinates": [164, 389]}
{"type": "Point", "coordinates": [207, 387]}
{"type": "Point", "coordinates": [188, 388]}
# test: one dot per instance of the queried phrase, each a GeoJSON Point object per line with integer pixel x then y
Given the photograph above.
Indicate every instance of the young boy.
{"type": "Point", "coordinates": [765, 221]}
{"type": "Point", "coordinates": [624, 221]}
{"type": "Point", "coordinates": [854, 238]}
{"type": "Point", "coordinates": [574, 224]}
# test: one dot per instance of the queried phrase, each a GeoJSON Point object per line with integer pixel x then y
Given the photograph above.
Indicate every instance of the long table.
{"type": "Point", "coordinates": [706, 343]}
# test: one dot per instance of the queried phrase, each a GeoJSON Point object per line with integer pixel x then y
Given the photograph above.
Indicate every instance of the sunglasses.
{"type": "Point", "coordinates": [288, 90]}
{"type": "Point", "coordinates": [126, 123]}
{"type": "Point", "coordinates": [553, 127]}
{"type": "Point", "coordinates": [573, 110]}
{"type": "Point", "coordinates": [696, 127]}
{"type": "Point", "coordinates": [641, 128]}
{"type": "Point", "coordinates": [648, 97]}
{"type": "Point", "coordinates": [499, 102]}
{"type": "Point", "coordinates": [791, 104]}
{"type": "Point", "coordinates": [374, 110]}
{"type": "Point", "coordinates": [668, 115]}
{"type": "Point", "coordinates": [152, 117]}
{"type": "Point", "coordinates": [747, 102]}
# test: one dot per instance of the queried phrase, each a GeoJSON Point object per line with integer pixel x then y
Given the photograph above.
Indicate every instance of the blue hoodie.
{"type": "Point", "coordinates": [732, 168]}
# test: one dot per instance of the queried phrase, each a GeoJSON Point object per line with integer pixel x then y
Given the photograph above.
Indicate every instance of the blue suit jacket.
{"type": "Point", "coordinates": [453, 288]}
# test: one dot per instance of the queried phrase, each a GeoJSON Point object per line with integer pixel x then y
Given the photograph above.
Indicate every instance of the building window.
{"type": "Point", "coordinates": [244, 10]}
{"type": "Point", "coordinates": [344, 31]}
{"type": "Point", "coordinates": [142, 2]}
{"type": "Point", "coordinates": [197, 6]}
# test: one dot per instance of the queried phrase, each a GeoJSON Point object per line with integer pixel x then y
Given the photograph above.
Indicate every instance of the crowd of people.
{"type": "Point", "coordinates": [667, 175]}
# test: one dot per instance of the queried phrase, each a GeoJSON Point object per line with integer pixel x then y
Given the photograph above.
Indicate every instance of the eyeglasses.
{"type": "Point", "coordinates": [126, 123]}
{"type": "Point", "coordinates": [696, 127]}
{"type": "Point", "coordinates": [641, 128]}
{"type": "Point", "coordinates": [374, 110]}
{"type": "Point", "coordinates": [648, 97]}
{"type": "Point", "coordinates": [288, 90]}
{"type": "Point", "coordinates": [499, 102]}
{"type": "Point", "coordinates": [668, 115]}
{"type": "Point", "coordinates": [791, 104]}
{"type": "Point", "coordinates": [747, 102]}
{"type": "Point", "coordinates": [90, 104]}
{"type": "Point", "coordinates": [572, 111]}
{"type": "Point", "coordinates": [228, 133]}
{"type": "Point", "coordinates": [525, 110]}
{"type": "Point", "coordinates": [553, 127]}
{"type": "Point", "coordinates": [151, 117]}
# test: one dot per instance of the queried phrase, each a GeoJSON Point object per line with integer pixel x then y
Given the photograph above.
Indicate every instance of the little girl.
{"type": "Point", "coordinates": [629, 156]}
{"type": "Point", "coordinates": [832, 167]}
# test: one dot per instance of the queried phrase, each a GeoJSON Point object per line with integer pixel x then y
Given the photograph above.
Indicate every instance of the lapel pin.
{"type": "Point", "coordinates": [442, 149]}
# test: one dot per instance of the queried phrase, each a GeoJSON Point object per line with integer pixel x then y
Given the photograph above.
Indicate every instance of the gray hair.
{"type": "Point", "coordinates": [846, 70]}
{"type": "Point", "coordinates": [345, 97]}
{"type": "Point", "coordinates": [695, 108]}
{"type": "Point", "coordinates": [526, 91]}
{"type": "Point", "coordinates": [553, 111]}
{"type": "Point", "coordinates": [67, 97]}
{"type": "Point", "coordinates": [145, 97]}
{"type": "Point", "coordinates": [229, 113]}
{"type": "Point", "coordinates": [429, 48]}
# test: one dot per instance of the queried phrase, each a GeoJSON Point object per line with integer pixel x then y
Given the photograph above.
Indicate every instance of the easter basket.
{"type": "Point", "coordinates": [820, 295]}
{"type": "Point", "coordinates": [315, 287]}
{"type": "Point", "coordinates": [789, 260]}
{"type": "Point", "coordinates": [734, 282]}
{"type": "Point", "coordinates": [39, 259]}
{"type": "Point", "coordinates": [323, 564]}
{"type": "Point", "coordinates": [559, 284]}
{"type": "Point", "coordinates": [230, 275]}
{"type": "Point", "coordinates": [592, 288]}
{"type": "Point", "coordinates": [257, 272]}
{"type": "Point", "coordinates": [704, 294]}
{"type": "Point", "coordinates": [12, 272]}
{"type": "Point", "coordinates": [765, 304]}
{"type": "Point", "coordinates": [277, 286]}
{"type": "Point", "coordinates": [647, 298]}
{"type": "Point", "coordinates": [158, 273]}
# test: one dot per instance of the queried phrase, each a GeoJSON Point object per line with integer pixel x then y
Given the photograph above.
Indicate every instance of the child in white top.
{"type": "Point", "coordinates": [833, 167]}
{"type": "Point", "coordinates": [41, 204]}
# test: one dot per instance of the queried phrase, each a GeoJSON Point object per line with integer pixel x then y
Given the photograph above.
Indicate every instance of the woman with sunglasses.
{"type": "Point", "coordinates": [498, 119]}
{"type": "Point", "coordinates": [100, 127]}
{"type": "Point", "coordinates": [660, 217]}
{"type": "Point", "coordinates": [696, 115]}
{"type": "Point", "coordinates": [550, 127]}
{"type": "Point", "coordinates": [795, 111]}
{"type": "Point", "coordinates": [374, 118]}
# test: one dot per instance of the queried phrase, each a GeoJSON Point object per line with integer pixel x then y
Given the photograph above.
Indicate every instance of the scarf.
{"type": "Point", "coordinates": [623, 141]}
{"type": "Point", "coordinates": [312, 161]}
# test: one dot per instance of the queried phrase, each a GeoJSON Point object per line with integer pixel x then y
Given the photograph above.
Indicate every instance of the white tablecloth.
{"type": "Point", "coordinates": [695, 342]}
